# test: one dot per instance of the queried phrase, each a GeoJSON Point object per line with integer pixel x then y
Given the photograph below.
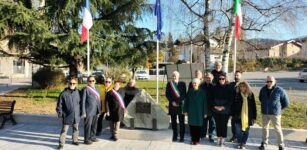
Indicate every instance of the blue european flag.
{"type": "Point", "coordinates": [159, 18]}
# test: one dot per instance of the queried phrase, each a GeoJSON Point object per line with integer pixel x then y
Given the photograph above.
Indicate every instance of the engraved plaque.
{"type": "Point", "coordinates": [141, 107]}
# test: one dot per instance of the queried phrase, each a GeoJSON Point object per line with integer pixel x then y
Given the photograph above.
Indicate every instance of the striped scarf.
{"type": "Point", "coordinates": [244, 112]}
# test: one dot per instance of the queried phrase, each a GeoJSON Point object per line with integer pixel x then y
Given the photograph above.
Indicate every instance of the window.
{"type": "Point", "coordinates": [19, 66]}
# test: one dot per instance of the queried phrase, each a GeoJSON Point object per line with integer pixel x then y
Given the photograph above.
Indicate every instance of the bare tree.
{"type": "Point", "coordinates": [257, 16]}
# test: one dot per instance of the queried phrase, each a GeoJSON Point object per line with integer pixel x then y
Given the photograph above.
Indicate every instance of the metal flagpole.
{"type": "Point", "coordinates": [157, 72]}
{"type": "Point", "coordinates": [235, 57]}
{"type": "Point", "coordinates": [88, 52]}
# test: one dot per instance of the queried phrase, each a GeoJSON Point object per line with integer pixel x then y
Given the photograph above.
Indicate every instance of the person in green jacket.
{"type": "Point", "coordinates": [195, 107]}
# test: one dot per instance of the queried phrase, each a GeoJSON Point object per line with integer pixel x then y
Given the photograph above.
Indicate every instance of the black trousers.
{"type": "Point", "coordinates": [195, 133]}
{"type": "Point", "coordinates": [209, 120]}
{"type": "Point", "coordinates": [221, 121]}
{"type": "Point", "coordinates": [99, 124]}
{"type": "Point", "coordinates": [233, 127]}
{"type": "Point", "coordinates": [90, 127]}
{"type": "Point", "coordinates": [181, 125]}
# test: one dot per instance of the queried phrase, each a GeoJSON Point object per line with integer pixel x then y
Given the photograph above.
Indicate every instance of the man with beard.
{"type": "Point", "coordinates": [237, 79]}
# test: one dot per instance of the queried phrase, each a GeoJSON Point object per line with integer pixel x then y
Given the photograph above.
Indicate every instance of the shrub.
{"type": "Point", "coordinates": [118, 74]}
{"type": "Point", "coordinates": [49, 78]}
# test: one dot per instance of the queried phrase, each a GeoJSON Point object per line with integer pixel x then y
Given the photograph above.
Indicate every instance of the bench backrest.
{"type": "Point", "coordinates": [7, 106]}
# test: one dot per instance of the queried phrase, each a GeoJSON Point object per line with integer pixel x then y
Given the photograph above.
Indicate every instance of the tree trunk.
{"type": "Point", "coordinates": [207, 36]}
{"type": "Point", "coordinates": [227, 44]}
{"type": "Point", "coordinates": [73, 70]}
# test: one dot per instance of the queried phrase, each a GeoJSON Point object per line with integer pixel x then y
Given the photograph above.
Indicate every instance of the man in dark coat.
{"type": "Point", "coordinates": [68, 108]}
{"type": "Point", "coordinates": [207, 87]}
{"type": "Point", "coordinates": [273, 100]}
{"type": "Point", "coordinates": [217, 72]}
{"type": "Point", "coordinates": [91, 103]}
{"type": "Point", "coordinates": [175, 94]}
{"type": "Point", "coordinates": [130, 91]}
{"type": "Point", "coordinates": [115, 109]}
{"type": "Point", "coordinates": [237, 79]}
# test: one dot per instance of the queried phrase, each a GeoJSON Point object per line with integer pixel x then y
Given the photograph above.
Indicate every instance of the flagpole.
{"type": "Point", "coordinates": [235, 57]}
{"type": "Point", "coordinates": [88, 52]}
{"type": "Point", "coordinates": [157, 72]}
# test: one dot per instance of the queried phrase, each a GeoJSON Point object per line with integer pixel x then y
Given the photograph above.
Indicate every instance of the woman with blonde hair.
{"type": "Point", "coordinates": [243, 112]}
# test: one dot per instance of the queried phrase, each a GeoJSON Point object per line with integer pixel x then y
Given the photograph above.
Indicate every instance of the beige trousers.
{"type": "Point", "coordinates": [275, 119]}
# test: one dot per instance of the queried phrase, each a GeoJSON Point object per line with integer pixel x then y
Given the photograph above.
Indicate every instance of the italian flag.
{"type": "Point", "coordinates": [238, 14]}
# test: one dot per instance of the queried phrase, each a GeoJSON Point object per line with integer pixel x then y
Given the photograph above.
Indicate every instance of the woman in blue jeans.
{"type": "Point", "coordinates": [244, 112]}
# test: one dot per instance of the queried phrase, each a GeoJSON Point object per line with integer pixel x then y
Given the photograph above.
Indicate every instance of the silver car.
{"type": "Point", "coordinates": [302, 75]}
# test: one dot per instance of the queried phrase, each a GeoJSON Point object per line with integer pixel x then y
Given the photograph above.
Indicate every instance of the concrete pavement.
{"type": "Point", "coordinates": [44, 137]}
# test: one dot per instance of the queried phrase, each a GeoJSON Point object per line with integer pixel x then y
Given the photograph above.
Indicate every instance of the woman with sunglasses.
{"type": "Point", "coordinates": [68, 108]}
{"type": "Point", "coordinates": [104, 89]}
{"type": "Point", "coordinates": [221, 107]}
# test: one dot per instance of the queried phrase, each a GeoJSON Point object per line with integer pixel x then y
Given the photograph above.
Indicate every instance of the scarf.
{"type": "Point", "coordinates": [244, 112]}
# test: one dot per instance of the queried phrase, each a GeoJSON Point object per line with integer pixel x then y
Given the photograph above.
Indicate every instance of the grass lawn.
{"type": "Point", "coordinates": [40, 101]}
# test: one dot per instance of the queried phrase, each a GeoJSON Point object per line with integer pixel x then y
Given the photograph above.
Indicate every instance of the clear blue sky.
{"type": "Point", "coordinates": [277, 30]}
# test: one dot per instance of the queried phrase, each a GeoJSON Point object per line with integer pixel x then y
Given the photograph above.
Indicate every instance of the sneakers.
{"type": "Point", "coordinates": [262, 146]}
{"type": "Point", "coordinates": [75, 143]}
{"type": "Point", "coordinates": [60, 147]}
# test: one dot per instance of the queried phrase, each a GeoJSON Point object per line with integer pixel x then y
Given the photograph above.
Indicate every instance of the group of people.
{"type": "Point", "coordinates": [212, 101]}
{"type": "Point", "coordinates": [93, 103]}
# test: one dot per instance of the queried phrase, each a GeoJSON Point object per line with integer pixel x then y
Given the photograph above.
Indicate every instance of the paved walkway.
{"type": "Point", "coordinates": [39, 137]}
{"type": "Point", "coordinates": [6, 88]}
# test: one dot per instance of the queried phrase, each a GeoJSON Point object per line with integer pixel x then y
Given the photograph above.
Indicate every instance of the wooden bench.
{"type": "Point", "coordinates": [6, 112]}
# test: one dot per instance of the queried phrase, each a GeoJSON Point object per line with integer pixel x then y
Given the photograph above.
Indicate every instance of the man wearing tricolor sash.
{"type": "Point", "coordinates": [175, 94]}
{"type": "Point", "coordinates": [115, 109]}
{"type": "Point", "coordinates": [91, 103]}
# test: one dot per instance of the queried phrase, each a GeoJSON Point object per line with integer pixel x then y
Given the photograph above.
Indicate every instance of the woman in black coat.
{"type": "Point", "coordinates": [115, 109]}
{"type": "Point", "coordinates": [221, 107]}
{"type": "Point", "coordinates": [243, 112]}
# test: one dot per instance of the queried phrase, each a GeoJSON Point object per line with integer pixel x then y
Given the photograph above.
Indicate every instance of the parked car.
{"type": "Point", "coordinates": [302, 75]}
{"type": "Point", "coordinates": [141, 74]}
{"type": "Point", "coordinates": [99, 76]}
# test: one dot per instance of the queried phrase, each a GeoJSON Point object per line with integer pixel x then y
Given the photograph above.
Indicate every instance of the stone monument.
{"type": "Point", "coordinates": [144, 112]}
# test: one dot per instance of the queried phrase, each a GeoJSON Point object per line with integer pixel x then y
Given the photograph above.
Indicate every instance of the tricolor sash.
{"type": "Point", "coordinates": [97, 95]}
{"type": "Point", "coordinates": [175, 89]}
{"type": "Point", "coordinates": [118, 98]}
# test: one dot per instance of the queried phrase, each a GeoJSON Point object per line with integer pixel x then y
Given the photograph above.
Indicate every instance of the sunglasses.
{"type": "Point", "coordinates": [221, 78]}
{"type": "Point", "coordinates": [107, 81]}
{"type": "Point", "coordinates": [91, 81]}
{"type": "Point", "coordinates": [72, 83]}
{"type": "Point", "coordinates": [269, 81]}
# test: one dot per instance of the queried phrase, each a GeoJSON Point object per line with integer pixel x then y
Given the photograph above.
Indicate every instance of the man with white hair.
{"type": "Point", "coordinates": [273, 100]}
{"type": "Point", "coordinates": [175, 94]}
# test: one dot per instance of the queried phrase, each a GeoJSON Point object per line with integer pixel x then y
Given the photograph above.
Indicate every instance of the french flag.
{"type": "Point", "coordinates": [87, 22]}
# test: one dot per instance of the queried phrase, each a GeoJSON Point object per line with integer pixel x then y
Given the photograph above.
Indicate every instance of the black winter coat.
{"type": "Point", "coordinates": [222, 96]}
{"type": "Point", "coordinates": [68, 106]}
{"type": "Point", "coordinates": [116, 112]}
{"type": "Point", "coordinates": [172, 98]}
{"type": "Point", "coordinates": [237, 108]}
{"type": "Point", "coordinates": [208, 89]}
